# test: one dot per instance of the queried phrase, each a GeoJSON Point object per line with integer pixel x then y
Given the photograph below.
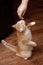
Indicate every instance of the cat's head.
{"type": "Point", "coordinates": [20, 26]}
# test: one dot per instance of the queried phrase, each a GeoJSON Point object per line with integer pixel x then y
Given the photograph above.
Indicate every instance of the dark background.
{"type": "Point", "coordinates": [8, 13]}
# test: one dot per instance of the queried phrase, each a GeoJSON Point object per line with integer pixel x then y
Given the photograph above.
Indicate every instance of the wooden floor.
{"type": "Point", "coordinates": [7, 57]}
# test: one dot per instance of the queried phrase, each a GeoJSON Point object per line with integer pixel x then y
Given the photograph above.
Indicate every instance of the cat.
{"type": "Point", "coordinates": [25, 44]}
{"type": "Point", "coordinates": [24, 35]}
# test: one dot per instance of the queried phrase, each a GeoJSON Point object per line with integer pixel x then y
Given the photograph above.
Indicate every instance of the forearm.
{"type": "Point", "coordinates": [25, 2]}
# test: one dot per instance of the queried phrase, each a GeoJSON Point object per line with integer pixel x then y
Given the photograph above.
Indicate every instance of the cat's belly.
{"type": "Point", "coordinates": [25, 36]}
{"type": "Point", "coordinates": [25, 47]}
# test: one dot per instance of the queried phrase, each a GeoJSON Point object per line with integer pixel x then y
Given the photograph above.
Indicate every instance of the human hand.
{"type": "Point", "coordinates": [21, 10]}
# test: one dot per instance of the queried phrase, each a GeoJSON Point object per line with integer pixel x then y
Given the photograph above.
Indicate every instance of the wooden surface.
{"type": "Point", "coordinates": [7, 57]}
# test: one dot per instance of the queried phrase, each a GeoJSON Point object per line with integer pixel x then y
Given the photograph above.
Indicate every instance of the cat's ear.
{"type": "Point", "coordinates": [14, 26]}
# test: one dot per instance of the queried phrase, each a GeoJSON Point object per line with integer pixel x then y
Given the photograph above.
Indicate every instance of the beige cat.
{"type": "Point", "coordinates": [25, 43]}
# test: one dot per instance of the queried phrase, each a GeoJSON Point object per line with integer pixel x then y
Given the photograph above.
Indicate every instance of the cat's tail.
{"type": "Point", "coordinates": [11, 47]}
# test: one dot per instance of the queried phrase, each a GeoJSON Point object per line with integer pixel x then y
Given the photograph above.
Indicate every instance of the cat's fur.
{"type": "Point", "coordinates": [25, 43]}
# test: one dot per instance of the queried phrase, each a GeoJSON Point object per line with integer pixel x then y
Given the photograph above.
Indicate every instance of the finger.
{"type": "Point", "coordinates": [20, 14]}
{"type": "Point", "coordinates": [23, 13]}
{"type": "Point", "coordinates": [22, 17]}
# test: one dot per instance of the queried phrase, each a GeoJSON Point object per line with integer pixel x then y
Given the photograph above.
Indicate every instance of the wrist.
{"type": "Point", "coordinates": [25, 2]}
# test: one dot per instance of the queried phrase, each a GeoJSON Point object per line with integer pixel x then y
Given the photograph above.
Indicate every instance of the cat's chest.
{"type": "Point", "coordinates": [27, 34]}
